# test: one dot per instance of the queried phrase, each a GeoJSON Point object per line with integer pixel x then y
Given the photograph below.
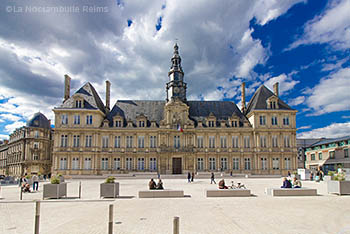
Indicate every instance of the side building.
{"type": "Point", "coordinates": [30, 148]}
{"type": "Point", "coordinates": [3, 157]}
{"type": "Point", "coordinates": [174, 135]}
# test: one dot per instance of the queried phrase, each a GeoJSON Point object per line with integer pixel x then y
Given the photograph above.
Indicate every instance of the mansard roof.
{"type": "Point", "coordinates": [91, 98]}
{"type": "Point", "coordinates": [258, 101]}
{"type": "Point", "coordinates": [39, 120]}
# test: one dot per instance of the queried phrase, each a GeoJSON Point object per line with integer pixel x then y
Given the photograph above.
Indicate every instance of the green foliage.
{"type": "Point", "coordinates": [59, 175]}
{"type": "Point", "coordinates": [331, 173]}
{"type": "Point", "coordinates": [110, 180]}
{"type": "Point", "coordinates": [27, 176]}
{"type": "Point", "coordinates": [55, 180]}
{"type": "Point", "coordinates": [39, 174]}
{"type": "Point", "coordinates": [339, 176]}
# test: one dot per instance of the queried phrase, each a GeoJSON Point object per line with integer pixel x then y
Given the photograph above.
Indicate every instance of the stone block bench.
{"type": "Point", "coordinates": [291, 192]}
{"type": "Point", "coordinates": [228, 193]}
{"type": "Point", "coordinates": [161, 193]}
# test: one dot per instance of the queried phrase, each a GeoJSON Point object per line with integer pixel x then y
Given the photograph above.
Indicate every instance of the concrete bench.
{"type": "Point", "coordinates": [161, 193]}
{"type": "Point", "coordinates": [228, 193]}
{"type": "Point", "coordinates": [291, 192]}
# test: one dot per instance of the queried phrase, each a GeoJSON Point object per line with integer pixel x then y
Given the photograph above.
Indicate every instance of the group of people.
{"type": "Point", "coordinates": [24, 183]}
{"type": "Point", "coordinates": [153, 185]}
{"type": "Point", "coordinates": [233, 186]}
{"type": "Point", "coordinates": [288, 184]}
{"type": "Point", "coordinates": [190, 177]}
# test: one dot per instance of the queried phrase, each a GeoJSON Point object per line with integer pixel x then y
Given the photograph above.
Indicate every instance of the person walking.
{"type": "Point", "coordinates": [189, 177]}
{"type": "Point", "coordinates": [35, 180]}
{"type": "Point", "coordinates": [192, 178]}
{"type": "Point", "coordinates": [212, 178]}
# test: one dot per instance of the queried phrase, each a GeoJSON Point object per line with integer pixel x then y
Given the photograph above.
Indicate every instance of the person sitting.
{"type": "Point", "coordinates": [296, 183]}
{"type": "Point", "coordinates": [152, 184]}
{"type": "Point", "coordinates": [26, 188]}
{"type": "Point", "coordinates": [222, 184]}
{"type": "Point", "coordinates": [160, 184]}
{"type": "Point", "coordinates": [239, 185]}
{"type": "Point", "coordinates": [286, 183]}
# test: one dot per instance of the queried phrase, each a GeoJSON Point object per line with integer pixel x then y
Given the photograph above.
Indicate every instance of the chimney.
{"type": "Point", "coordinates": [108, 94]}
{"type": "Point", "coordinates": [66, 87]}
{"type": "Point", "coordinates": [275, 89]}
{"type": "Point", "coordinates": [243, 98]}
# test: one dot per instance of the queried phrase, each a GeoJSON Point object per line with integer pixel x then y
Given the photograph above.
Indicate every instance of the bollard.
{"type": "Point", "coordinates": [110, 220]}
{"type": "Point", "coordinates": [20, 194]}
{"type": "Point", "coordinates": [37, 217]}
{"type": "Point", "coordinates": [176, 225]}
{"type": "Point", "coordinates": [79, 189]}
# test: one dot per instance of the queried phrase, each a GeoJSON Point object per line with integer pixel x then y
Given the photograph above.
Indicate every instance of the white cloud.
{"type": "Point", "coordinates": [331, 94]}
{"type": "Point", "coordinates": [304, 127]}
{"type": "Point", "coordinates": [297, 101]}
{"type": "Point", "coordinates": [286, 83]}
{"type": "Point", "coordinates": [4, 137]}
{"type": "Point", "coordinates": [333, 130]}
{"type": "Point", "coordinates": [10, 117]}
{"type": "Point", "coordinates": [332, 26]}
{"type": "Point", "coordinates": [334, 66]}
{"type": "Point", "coordinates": [11, 127]}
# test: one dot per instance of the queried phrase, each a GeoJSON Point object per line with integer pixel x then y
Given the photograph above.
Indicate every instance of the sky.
{"type": "Point", "coordinates": [303, 45]}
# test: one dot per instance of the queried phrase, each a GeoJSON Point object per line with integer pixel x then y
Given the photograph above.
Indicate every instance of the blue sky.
{"type": "Point", "coordinates": [303, 45]}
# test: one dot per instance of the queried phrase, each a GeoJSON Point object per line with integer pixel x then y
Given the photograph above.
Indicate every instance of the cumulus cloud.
{"type": "Point", "coordinates": [297, 101]}
{"type": "Point", "coordinates": [333, 130]}
{"type": "Point", "coordinates": [4, 137]}
{"type": "Point", "coordinates": [286, 83]}
{"type": "Point", "coordinates": [11, 127]}
{"type": "Point", "coordinates": [304, 127]}
{"type": "Point", "coordinates": [331, 94]}
{"type": "Point", "coordinates": [10, 117]}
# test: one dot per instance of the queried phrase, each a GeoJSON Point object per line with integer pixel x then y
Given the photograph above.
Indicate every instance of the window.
{"type": "Point", "coordinates": [64, 140]}
{"type": "Point", "coordinates": [153, 164]}
{"type": "Point", "coordinates": [274, 120]}
{"type": "Point", "coordinates": [118, 123]}
{"type": "Point", "coordinates": [141, 164]}
{"type": "Point", "coordinates": [320, 156]}
{"type": "Point", "coordinates": [89, 119]}
{"type": "Point", "coordinates": [234, 123]}
{"type": "Point", "coordinates": [223, 142]}
{"type": "Point", "coordinates": [263, 163]}
{"type": "Point", "coordinates": [76, 141]}
{"type": "Point", "coordinates": [263, 141]}
{"type": "Point", "coordinates": [312, 156]}
{"type": "Point", "coordinates": [153, 142]}
{"type": "Point", "coordinates": [128, 164]}
{"type": "Point", "coordinates": [78, 103]}
{"type": "Point", "coordinates": [199, 141]}
{"type": "Point", "coordinates": [212, 164]}
{"type": "Point", "coordinates": [141, 141]}
{"type": "Point", "coordinates": [35, 156]}
{"type": "Point", "coordinates": [235, 165]}
{"type": "Point", "coordinates": [87, 163]}
{"type": "Point", "coordinates": [246, 163]}
{"type": "Point", "coordinates": [262, 120]}
{"type": "Point", "coordinates": [88, 141]}
{"type": "Point", "coordinates": [64, 119]}
{"type": "Point", "coordinates": [142, 124]}
{"type": "Point", "coordinates": [211, 123]}
{"type": "Point", "coordinates": [274, 141]}
{"type": "Point", "coordinates": [117, 142]}
{"type": "Point", "coordinates": [200, 164]}
{"type": "Point", "coordinates": [128, 141]}
{"type": "Point", "coordinates": [273, 105]}
{"type": "Point", "coordinates": [223, 164]}
{"type": "Point", "coordinates": [177, 141]}
{"type": "Point", "coordinates": [36, 134]}
{"type": "Point", "coordinates": [285, 120]}
{"type": "Point", "coordinates": [104, 141]}
{"type": "Point", "coordinates": [332, 155]}
{"type": "Point", "coordinates": [287, 163]}
{"type": "Point", "coordinates": [346, 153]}
{"type": "Point", "coordinates": [211, 141]}
{"type": "Point", "coordinates": [286, 141]}
{"type": "Point", "coordinates": [75, 163]}
{"type": "Point", "coordinates": [76, 119]}
{"type": "Point", "coordinates": [116, 164]}
{"type": "Point", "coordinates": [246, 142]}
{"type": "Point", "coordinates": [36, 145]}
{"type": "Point", "coordinates": [63, 163]}
{"type": "Point", "coordinates": [275, 164]}
{"type": "Point", "coordinates": [104, 164]}
{"type": "Point", "coordinates": [234, 141]}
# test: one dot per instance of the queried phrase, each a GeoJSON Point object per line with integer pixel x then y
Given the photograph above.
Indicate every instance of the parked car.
{"type": "Point", "coordinates": [2, 177]}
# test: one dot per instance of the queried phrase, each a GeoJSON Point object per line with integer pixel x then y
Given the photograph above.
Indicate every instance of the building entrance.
{"type": "Point", "coordinates": [177, 166]}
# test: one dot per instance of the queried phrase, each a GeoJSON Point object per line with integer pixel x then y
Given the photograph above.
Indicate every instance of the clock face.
{"type": "Point", "coordinates": [176, 90]}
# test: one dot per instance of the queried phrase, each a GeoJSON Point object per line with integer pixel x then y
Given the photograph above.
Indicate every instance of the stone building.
{"type": "Point", "coordinates": [30, 148]}
{"type": "Point", "coordinates": [174, 135]}
{"type": "Point", "coordinates": [302, 144]}
{"type": "Point", "coordinates": [328, 154]}
{"type": "Point", "coordinates": [3, 156]}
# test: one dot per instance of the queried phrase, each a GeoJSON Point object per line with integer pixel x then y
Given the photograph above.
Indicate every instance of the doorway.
{"type": "Point", "coordinates": [177, 166]}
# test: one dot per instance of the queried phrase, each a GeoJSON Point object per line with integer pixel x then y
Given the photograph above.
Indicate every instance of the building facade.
{"type": "Point", "coordinates": [173, 136]}
{"type": "Point", "coordinates": [3, 157]}
{"type": "Point", "coordinates": [302, 145]}
{"type": "Point", "coordinates": [328, 154]}
{"type": "Point", "coordinates": [29, 149]}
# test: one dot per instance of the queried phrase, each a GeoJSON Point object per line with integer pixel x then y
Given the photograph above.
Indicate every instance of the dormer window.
{"type": "Point", "coordinates": [211, 123]}
{"type": "Point", "coordinates": [78, 104]}
{"type": "Point", "coordinates": [142, 124]}
{"type": "Point", "coordinates": [118, 123]}
{"type": "Point", "coordinates": [234, 123]}
{"type": "Point", "coordinates": [272, 103]}
{"type": "Point", "coordinates": [141, 121]}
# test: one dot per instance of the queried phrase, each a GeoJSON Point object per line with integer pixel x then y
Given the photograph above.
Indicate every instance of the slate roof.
{"type": "Point", "coordinates": [91, 99]}
{"type": "Point", "coordinates": [331, 140]}
{"type": "Point", "coordinates": [258, 101]}
{"type": "Point", "coordinates": [39, 120]}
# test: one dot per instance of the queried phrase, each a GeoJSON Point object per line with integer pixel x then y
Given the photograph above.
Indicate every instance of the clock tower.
{"type": "Point", "coordinates": [176, 87]}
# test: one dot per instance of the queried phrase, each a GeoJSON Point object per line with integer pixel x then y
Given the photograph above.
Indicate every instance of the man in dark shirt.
{"type": "Point", "coordinates": [152, 184]}
{"type": "Point", "coordinates": [286, 183]}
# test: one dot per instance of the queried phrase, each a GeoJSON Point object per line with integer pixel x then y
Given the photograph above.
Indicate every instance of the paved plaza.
{"type": "Point", "coordinates": [256, 214]}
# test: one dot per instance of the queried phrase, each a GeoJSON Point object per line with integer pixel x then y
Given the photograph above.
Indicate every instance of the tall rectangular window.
{"type": "Point", "coordinates": [234, 123]}
{"type": "Point", "coordinates": [274, 141]}
{"type": "Point", "coordinates": [76, 141]}
{"type": "Point", "coordinates": [234, 141]}
{"type": "Point", "coordinates": [274, 120]}
{"type": "Point", "coordinates": [246, 163]}
{"type": "Point", "coordinates": [63, 163]}
{"type": "Point", "coordinates": [346, 153]}
{"type": "Point", "coordinates": [211, 141]}
{"type": "Point", "coordinates": [223, 164]}
{"type": "Point", "coordinates": [262, 120]}
{"type": "Point", "coordinates": [78, 103]}
{"type": "Point", "coordinates": [332, 155]}
{"type": "Point", "coordinates": [64, 119]}
{"type": "Point", "coordinates": [88, 119]}
{"type": "Point", "coordinates": [117, 142]}
{"type": "Point", "coordinates": [64, 140]}
{"type": "Point", "coordinates": [104, 164]}
{"type": "Point", "coordinates": [212, 164]}
{"type": "Point", "coordinates": [200, 164]}
{"type": "Point", "coordinates": [76, 119]}
{"type": "Point", "coordinates": [36, 134]}
{"type": "Point", "coordinates": [211, 123]}
{"type": "Point", "coordinates": [199, 141]}
{"type": "Point", "coordinates": [287, 163]}
{"type": "Point", "coordinates": [35, 156]}
{"type": "Point", "coordinates": [141, 164]}
{"type": "Point", "coordinates": [75, 163]}
{"type": "Point", "coordinates": [87, 163]}
{"type": "Point", "coordinates": [153, 164]}
{"type": "Point", "coordinates": [142, 124]}
{"type": "Point", "coordinates": [88, 141]}
{"type": "Point", "coordinates": [129, 142]}
{"type": "Point", "coordinates": [36, 145]}
{"type": "Point", "coordinates": [286, 141]}
{"type": "Point", "coordinates": [177, 141]}
{"type": "Point", "coordinates": [264, 163]}
{"type": "Point", "coordinates": [246, 142]}
{"type": "Point", "coordinates": [223, 142]}
{"type": "Point", "coordinates": [153, 142]}
{"type": "Point", "coordinates": [285, 120]}
{"type": "Point", "coordinates": [275, 164]}
{"type": "Point", "coordinates": [235, 164]}
{"type": "Point", "coordinates": [313, 157]}
{"type": "Point", "coordinates": [141, 141]}
{"type": "Point", "coordinates": [128, 164]}
{"type": "Point", "coordinates": [263, 141]}
{"type": "Point", "coordinates": [105, 141]}
{"type": "Point", "coordinates": [116, 165]}
{"type": "Point", "coordinates": [319, 156]}
{"type": "Point", "coordinates": [118, 123]}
